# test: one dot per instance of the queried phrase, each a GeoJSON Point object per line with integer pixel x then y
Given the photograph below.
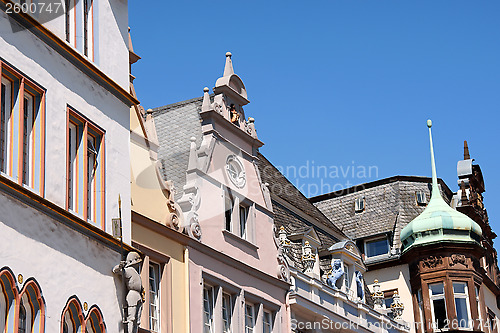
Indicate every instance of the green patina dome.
{"type": "Point", "coordinates": [439, 222]}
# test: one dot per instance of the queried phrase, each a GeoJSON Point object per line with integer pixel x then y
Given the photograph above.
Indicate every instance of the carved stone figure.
{"type": "Point", "coordinates": [359, 285]}
{"type": "Point", "coordinates": [335, 274]}
{"type": "Point", "coordinates": [129, 271]}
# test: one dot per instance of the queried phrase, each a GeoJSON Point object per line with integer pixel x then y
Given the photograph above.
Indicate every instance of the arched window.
{"type": "Point", "coordinates": [72, 316]}
{"type": "Point", "coordinates": [31, 303]}
{"type": "Point", "coordinates": [94, 322]}
{"type": "Point", "coordinates": [8, 297]}
{"type": "Point", "coordinates": [21, 327]}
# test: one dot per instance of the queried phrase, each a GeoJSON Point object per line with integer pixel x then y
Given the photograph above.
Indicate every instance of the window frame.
{"type": "Point", "coordinates": [234, 225]}
{"type": "Point", "coordinates": [228, 310]}
{"type": "Point", "coordinates": [84, 129]}
{"type": "Point", "coordinates": [208, 290]}
{"type": "Point", "coordinates": [252, 316]}
{"type": "Point", "coordinates": [359, 204]}
{"type": "Point", "coordinates": [437, 297]}
{"type": "Point", "coordinates": [465, 296]}
{"type": "Point", "coordinates": [158, 299]}
{"type": "Point", "coordinates": [79, 21]}
{"type": "Point", "coordinates": [373, 240]}
{"type": "Point", "coordinates": [270, 324]}
{"type": "Point", "coordinates": [15, 168]}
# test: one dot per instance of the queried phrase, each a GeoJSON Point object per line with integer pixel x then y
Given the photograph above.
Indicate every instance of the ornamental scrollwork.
{"type": "Point", "coordinates": [432, 261]}
{"type": "Point", "coordinates": [458, 259]}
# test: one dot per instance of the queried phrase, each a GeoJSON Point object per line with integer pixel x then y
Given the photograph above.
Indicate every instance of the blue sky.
{"type": "Point", "coordinates": [340, 84]}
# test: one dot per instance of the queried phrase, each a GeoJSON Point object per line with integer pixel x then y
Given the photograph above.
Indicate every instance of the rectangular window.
{"type": "Point", "coordinates": [5, 117]}
{"type": "Point", "coordinates": [85, 168]}
{"type": "Point", "coordinates": [347, 284]}
{"type": "Point", "coordinates": [79, 29]}
{"type": "Point", "coordinates": [249, 318]}
{"type": "Point", "coordinates": [420, 302]}
{"type": "Point", "coordinates": [438, 305]}
{"type": "Point", "coordinates": [462, 304]}
{"type": "Point", "coordinates": [492, 321]}
{"type": "Point", "coordinates": [208, 309]}
{"type": "Point", "coordinates": [228, 209]}
{"type": "Point", "coordinates": [28, 122]}
{"type": "Point", "coordinates": [21, 129]}
{"type": "Point", "coordinates": [421, 198]}
{"type": "Point", "coordinates": [376, 247]}
{"type": "Point", "coordinates": [154, 297]}
{"type": "Point", "coordinates": [268, 322]}
{"type": "Point", "coordinates": [227, 310]}
{"type": "Point", "coordinates": [359, 204]}
{"type": "Point", "coordinates": [243, 221]}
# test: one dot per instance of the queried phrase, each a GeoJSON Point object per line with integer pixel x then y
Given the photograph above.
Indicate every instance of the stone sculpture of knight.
{"type": "Point", "coordinates": [129, 269]}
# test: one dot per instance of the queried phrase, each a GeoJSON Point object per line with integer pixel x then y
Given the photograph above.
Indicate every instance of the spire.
{"type": "Point", "coordinates": [466, 151]}
{"type": "Point", "coordinates": [435, 188]}
{"type": "Point", "coordinates": [205, 106]}
{"type": "Point", "coordinates": [228, 69]}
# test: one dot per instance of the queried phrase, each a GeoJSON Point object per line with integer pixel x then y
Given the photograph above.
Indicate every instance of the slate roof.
{"type": "Point", "coordinates": [390, 204]}
{"type": "Point", "coordinates": [285, 190]}
{"type": "Point", "coordinates": [175, 125]}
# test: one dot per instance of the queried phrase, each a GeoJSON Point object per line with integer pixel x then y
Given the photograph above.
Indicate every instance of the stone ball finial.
{"type": "Point", "coordinates": [193, 139]}
{"type": "Point", "coordinates": [375, 281]}
{"type": "Point", "coordinates": [206, 89]}
{"type": "Point", "coordinates": [251, 120]}
{"type": "Point", "coordinates": [429, 123]}
{"type": "Point", "coordinates": [228, 54]}
{"type": "Point", "coordinates": [149, 111]}
{"type": "Point", "coordinates": [282, 228]}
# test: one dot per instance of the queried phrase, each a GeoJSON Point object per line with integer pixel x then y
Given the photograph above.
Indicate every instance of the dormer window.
{"type": "Point", "coordinates": [376, 247]}
{"type": "Point", "coordinates": [359, 204]}
{"type": "Point", "coordinates": [421, 198]}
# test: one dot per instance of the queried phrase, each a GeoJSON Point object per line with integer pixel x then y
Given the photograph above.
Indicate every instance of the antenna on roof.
{"type": "Point", "coordinates": [435, 188]}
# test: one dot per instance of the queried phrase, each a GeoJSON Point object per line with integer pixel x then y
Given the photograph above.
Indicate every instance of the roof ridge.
{"type": "Point", "coordinates": [377, 182]}
{"type": "Point", "coordinates": [177, 104]}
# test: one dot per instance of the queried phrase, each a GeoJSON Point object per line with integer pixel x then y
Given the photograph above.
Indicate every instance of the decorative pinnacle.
{"type": "Point", "coordinates": [466, 151]}
{"type": "Point", "coordinates": [375, 281]}
{"type": "Point", "coordinates": [435, 188]}
{"type": "Point", "coordinates": [193, 139]}
{"type": "Point", "coordinates": [228, 69]}
{"type": "Point", "coordinates": [205, 106]}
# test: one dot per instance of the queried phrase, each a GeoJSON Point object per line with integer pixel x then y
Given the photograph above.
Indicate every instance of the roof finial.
{"type": "Point", "coordinates": [464, 200]}
{"type": "Point", "coordinates": [205, 106]}
{"type": "Point", "coordinates": [435, 188]}
{"type": "Point", "coordinates": [466, 151]}
{"type": "Point", "coordinates": [228, 69]}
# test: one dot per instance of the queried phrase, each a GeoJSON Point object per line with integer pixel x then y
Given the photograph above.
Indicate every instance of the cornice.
{"type": "Point", "coordinates": [59, 214]}
{"type": "Point", "coordinates": [187, 241]}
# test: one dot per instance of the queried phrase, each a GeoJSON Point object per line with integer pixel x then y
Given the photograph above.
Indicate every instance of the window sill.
{"type": "Point", "coordinates": [240, 240]}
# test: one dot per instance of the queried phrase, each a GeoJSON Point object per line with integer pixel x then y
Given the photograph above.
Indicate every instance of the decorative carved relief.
{"type": "Point", "coordinates": [190, 202]}
{"type": "Point", "coordinates": [217, 107]}
{"type": "Point", "coordinates": [174, 217]}
{"type": "Point", "coordinates": [282, 243]}
{"type": "Point", "coordinates": [458, 259]}
{"type": "Point", "coordinates": [432, 261]}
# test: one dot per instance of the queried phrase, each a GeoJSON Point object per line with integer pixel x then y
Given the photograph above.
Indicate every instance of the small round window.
{"type": "Point", "coordinates": [235, 171]}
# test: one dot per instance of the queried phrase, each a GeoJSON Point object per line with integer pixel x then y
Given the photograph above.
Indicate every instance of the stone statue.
{"type": "Point", "coordinates": [129, 270]}
{"type": "Point", "coordinates": [359, 285]}
{"type": "Point", "coordinates": [335, 274]}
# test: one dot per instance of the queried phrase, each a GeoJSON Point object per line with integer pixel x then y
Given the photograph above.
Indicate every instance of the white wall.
{"type": "Point", "coordinates": [62, 261]}
{"type": "Point", "coordinates": [65, 85]}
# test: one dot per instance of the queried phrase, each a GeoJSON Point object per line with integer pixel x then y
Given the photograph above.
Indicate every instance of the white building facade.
{"type": "Point", "coordinates": [64, 132]}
